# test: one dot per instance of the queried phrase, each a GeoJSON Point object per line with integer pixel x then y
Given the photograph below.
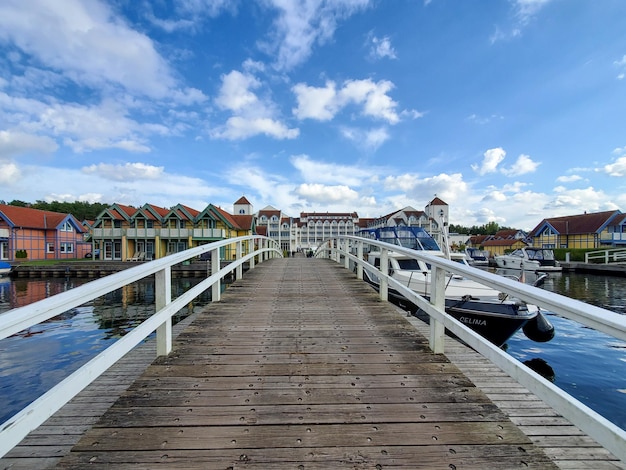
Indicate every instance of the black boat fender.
{"type": "Point", "coordinates": [539, 329]}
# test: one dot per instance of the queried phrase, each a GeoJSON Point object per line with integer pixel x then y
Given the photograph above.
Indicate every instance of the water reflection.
{"type": "Point", "coordinates": [34, 360]}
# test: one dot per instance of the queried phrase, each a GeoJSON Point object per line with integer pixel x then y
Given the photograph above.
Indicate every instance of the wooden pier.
{"type": "Point", "coordinates": [302, 366]}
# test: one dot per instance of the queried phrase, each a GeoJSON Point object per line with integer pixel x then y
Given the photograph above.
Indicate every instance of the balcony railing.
{"type": "Point", "coordinates": [165, 233]}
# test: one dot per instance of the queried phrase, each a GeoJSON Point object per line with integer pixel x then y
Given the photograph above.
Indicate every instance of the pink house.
{"type": "Point", "coordinates": [40, 235]}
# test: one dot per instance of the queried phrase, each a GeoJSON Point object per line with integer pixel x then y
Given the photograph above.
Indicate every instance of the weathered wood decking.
{"type": "Point", "coordinates": [301, 366]}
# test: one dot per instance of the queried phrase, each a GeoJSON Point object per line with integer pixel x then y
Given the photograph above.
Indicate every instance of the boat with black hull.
{"type": "Point", "coordinates": [492, 314]}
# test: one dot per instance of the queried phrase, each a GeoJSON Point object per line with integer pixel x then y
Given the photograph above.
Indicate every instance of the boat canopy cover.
{"type": "Point", "coordinates": [415, 238]}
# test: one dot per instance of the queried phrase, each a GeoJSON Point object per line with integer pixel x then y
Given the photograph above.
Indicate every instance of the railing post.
{"type": "Point", "coordinates": [346, 258]}
{"type": "Point", "coordinates": [216, 288]}
{"type": "Point", "coordinates": [338, 251]}
{"type": "Point", "coordinates": [163, 296]}
{"type": "Point", "coordinates": [437, 298]}
{"type": "Point", "coordinates": [238, 269]}
{"type": "Point", "coordinates": [251, 248]}
{"type": "Point", "coordinates": [359, 254]}
{"type": "Point", "coordinates": [384, 269]}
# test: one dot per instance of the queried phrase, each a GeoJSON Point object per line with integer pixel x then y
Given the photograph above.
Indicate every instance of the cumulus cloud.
{"type": "Point", "coordinates": [522, 166]}
{"type": "Point", "coordinates": [617, 168]}
{"type": "Point", "coordinates": [323, 103]}
{"type": "Point", "coordinates": [491, 159]}
{"type": "Point", "coordinates": [252, 115]}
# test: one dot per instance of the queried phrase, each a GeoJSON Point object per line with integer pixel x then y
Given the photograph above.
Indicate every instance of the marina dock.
{"type": "Point", "coordinates": [300, 365]}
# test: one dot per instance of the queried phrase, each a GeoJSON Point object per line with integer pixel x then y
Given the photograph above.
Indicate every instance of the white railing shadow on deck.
{"type": "Point", "coordinates": [18, 319]}
{"type": "Point", "coordinates": [606, 433]}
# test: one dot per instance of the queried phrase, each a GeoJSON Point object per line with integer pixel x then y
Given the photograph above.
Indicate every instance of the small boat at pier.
{"type": "Point", "coordinates": [530, 259]}
{"type": "Point", "coordinates": [477, 257]}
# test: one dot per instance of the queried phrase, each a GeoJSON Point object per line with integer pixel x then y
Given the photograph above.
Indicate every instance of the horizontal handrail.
{"type": "Point", "coordinates": [609, 435]}
{"type": "Point", "coordinates": [18, 319]}
{"type": "Point", "coordinates": [615, 255]}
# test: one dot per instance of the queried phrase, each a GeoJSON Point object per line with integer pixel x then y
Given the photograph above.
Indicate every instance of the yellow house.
{"type": "Point", "coordinates": [501, 245]}
{"type": "Point", "coordinates": [591, 230]}
{"type": "Point", "coordinates": [126, 233]}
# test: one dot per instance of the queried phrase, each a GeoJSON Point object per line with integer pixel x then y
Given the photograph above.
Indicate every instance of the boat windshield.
{"type": "Point", "coordinates": [540, 254]}
{"type": "Point", "coordinates": [409, 264]}
{"type": "Point", "coordinates": [415, 238]}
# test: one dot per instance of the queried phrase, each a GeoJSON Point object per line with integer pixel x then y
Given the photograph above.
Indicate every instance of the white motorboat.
{"type": "Point", "coordinates": [476, 257]}
{"type": "Point", "coordinates": [492, 314]}
{"type": "Point", "coordinates": [529, 259]}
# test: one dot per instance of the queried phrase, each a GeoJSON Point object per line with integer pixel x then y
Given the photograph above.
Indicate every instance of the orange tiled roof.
{"type": "Point", "coordinates": [35, 218]}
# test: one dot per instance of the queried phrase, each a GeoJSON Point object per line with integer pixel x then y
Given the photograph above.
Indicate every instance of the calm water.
{"type": "Point", "coordinates": [33, 361]}
{"type": "Point", "coordinates": [589, 365]}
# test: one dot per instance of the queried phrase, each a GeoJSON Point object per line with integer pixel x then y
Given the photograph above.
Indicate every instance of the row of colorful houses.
{"type": "Point", "coordinates": [585, 231]}
{"type": "Point", "coordinates": [126, 233]}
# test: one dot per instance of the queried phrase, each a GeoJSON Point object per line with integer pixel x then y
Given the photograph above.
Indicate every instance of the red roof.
{"type": "Point", "coordinates": [242, 200]}
{"type": "Point", "coordinates": [577, 224]}
{"type": "Point", "coordinates": [35, 218]}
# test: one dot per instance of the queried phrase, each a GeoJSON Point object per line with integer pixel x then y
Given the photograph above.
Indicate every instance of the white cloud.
{"type": "Point", "coordinates": [238, 127]}
{"type": "Point", "coordinates": [381, 48]}
{"type": "Point", "coordinates": [321, 193]}
{"type": "Point", "coordinates": [235, 93]}
{"type": "Point", "coordinates": [491, 159]}
{"type": "Point", "coordinates": [618, 168]}
{"type": "Point", "coordinates": [569, 179]}
{"type": "Point", "coordinates": [126, 172]}
{"type": "Point", "coordinates": [252, 116]}
{"type": "Point", "coordinates": [526, 9]}
{"type": "Point", "coordinates": [522, 166]}
{"type": "Point", "coordinates": [323, 103]}
{"type": "Point", "coordinates": [301, 24]}
{"type": "Point", "coordinates": [449, 187]}
{"type": "Point", "coordinates": [369, 140]}
{"type": "Point", "coordinates": [89, 44]}
{"type": "Point", "coordinates": [331, 173]}
{"type": "Point", "coordinates": [320, 103]}
{"type": "Point", "coordinates": [9, 173]}
{"type": "Point", "coordinates": [14, 143]}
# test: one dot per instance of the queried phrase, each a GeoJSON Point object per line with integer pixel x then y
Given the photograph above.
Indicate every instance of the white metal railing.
{"type": "Point", "coordinates": [18, 319]}
{"type": "Point", "coordinates": [615, 255]}
{"type": "Point", "coordinates": [606, 433]}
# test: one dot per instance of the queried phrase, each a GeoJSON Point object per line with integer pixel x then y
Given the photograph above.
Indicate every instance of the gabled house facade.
{"type": "Point", "coordinates": [40, 235]}
{"type": "Point", "coordinates": [500, 246]}
{"type": "Point", "coordinates": [588, 230]}
{"type": "Point", "coordinates": [150, 232]}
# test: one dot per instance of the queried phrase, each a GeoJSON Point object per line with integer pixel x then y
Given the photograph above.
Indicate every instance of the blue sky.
{"type": "Point", "coordinates": [509, 110]}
